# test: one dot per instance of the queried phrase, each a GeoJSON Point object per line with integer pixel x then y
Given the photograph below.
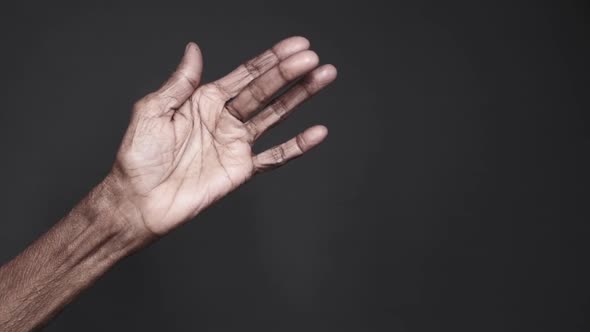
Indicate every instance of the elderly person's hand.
{"type": "Point", "coordinates": [187, 146]}
{"type": "Point", "coordinates": [190, 144]}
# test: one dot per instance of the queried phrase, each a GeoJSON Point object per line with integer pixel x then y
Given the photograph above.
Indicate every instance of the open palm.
{"type": "Point", "coordinates": [190, 144]}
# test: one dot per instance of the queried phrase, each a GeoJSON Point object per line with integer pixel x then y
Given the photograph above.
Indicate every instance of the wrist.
{"type": "Point", "coordinates": [115, 212]}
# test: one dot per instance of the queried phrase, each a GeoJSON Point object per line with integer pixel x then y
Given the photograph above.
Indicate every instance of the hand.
{"type": "Point", "coordinates": [189, 144]}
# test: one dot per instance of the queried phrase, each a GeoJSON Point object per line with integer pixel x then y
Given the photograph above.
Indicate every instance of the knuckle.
{"type": "Point", "coordinates": [308, 87]}
{"type": "Point", "coordinates": [257, 93]}
{"type": "Point", "coordinates": [278, 155]}
{"type": "Point", "coordinates": [188, 77]}
{"type": "Point", "coordinates": [253, 69]}
{"type": "Point", "coordinates": [284, 74]}
{"type": "Point", "coordinates": [300, 142]}
{"type": "Point", "coordinates": [256, 66]}
{"type": "Point", "coordinates": [252, 130]}
{"type": "Point", "coordinates": [279, 108]}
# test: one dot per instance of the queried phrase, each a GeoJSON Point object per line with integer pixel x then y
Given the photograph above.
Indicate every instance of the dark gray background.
{"type": "Point", "coordinates": [451, 194]}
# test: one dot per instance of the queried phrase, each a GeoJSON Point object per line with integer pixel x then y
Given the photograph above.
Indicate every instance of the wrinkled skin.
{"type": "Point", "coordinates": [190, 144]}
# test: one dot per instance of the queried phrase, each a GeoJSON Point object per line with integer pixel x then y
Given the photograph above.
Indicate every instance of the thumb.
{"type": "Point", "coordinates": [186, 78]}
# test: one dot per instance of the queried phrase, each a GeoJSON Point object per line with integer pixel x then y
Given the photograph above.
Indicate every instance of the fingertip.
{"type": "Point", "coordinates": [299, 64]}
{"type": "Point", "coordinates": [189, 45]}
{"type": "Point", "coordinates": [192, 47]}
{"type": "Point", "coordinates": [291, 45]}
{"type": "Point", "coordinates": [193, 59]}
{"type": "Point", "coordinates": [315, 135]}
{"type": "Point", "coordinates": [187, 76]}
{"type": "Point", "coordinates": [329, 72]}
{"type": "Point", "coordinates": [311, 58]}
{"type": "Point", "coordinates": [323, 76]}
{"type": "Point", "coordinates": [332, 70]}
{"type": "Point", "coordinates": [301, 41]}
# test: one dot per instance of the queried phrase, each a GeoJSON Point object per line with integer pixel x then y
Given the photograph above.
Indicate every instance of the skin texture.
{"type": "Point", "coordinates": [187, 147]}
{"type": "Point", "coordinates": [188, 144]}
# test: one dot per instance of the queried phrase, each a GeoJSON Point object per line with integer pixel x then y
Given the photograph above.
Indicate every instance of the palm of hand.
{"type": "Point", "coordinates": [182, 165]}
{"type": "Point", "coordinates": [189, 145]}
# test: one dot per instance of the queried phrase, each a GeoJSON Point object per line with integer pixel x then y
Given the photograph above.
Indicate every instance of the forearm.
{"type": "Point", "coordinates": [97, 233]}
{"type": "Point", "coordinates": [187, 146]}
